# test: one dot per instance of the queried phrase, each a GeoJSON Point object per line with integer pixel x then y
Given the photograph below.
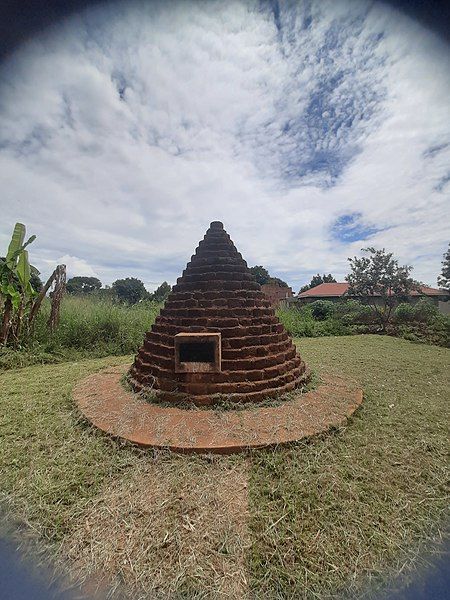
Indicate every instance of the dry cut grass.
{"type": "Point", "coordinates": [125, 520]}
{"type": "Point", "coordinates": [175, 528]}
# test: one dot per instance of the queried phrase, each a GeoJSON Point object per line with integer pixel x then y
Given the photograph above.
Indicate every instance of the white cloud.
{"type": "Point", "coordinates": [127, 129]}
{"type": "Point", "coordinates": [74, 266]}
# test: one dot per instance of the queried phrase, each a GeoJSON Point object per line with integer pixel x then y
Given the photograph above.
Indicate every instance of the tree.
{"type": "Point", "coordinates": [129, 290]}
{"type": "Point", "coordinates": [161, 293]}
{"type": "Point", "coordinates": [317, 280]}
{"type": "Point", "coordinates": [444, 277]}
{"type": "Point", "coordinates": [278, 281]}
{"type": "Point", "coordinates": [260, 274]}
{"type": "Point", "coordinates": [106, 293]}
{"type": "Point", "coordinates": [83, 285]}
{"type": "Point", "coordinates": [35, 280]}
{"type": "Point", "coordinates": [58, 280]}
{"type": "Point", "coordinates": [380, 282]}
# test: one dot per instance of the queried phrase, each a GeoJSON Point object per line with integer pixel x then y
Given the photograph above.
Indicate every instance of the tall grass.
{"type": "Point", "coordinates": [88, 327]}
{"type": "Point", "coordinates": [99, 326]}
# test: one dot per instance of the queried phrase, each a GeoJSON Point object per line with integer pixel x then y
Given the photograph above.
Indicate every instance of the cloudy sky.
{"type": "Point", "coordinates": [311, 129]}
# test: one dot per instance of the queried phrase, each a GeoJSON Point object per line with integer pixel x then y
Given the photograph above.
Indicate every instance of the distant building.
{"type": "Point", "coordinates": [336, 291]}
{"type": "Point", "coordinates": [277, 294]}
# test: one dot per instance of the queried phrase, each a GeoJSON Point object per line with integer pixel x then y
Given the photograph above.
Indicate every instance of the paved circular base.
{"type": "Point", "coordinates": [104, 401]}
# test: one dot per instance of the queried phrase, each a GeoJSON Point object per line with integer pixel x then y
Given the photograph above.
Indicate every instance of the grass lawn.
{"type": "Point", "coordinates": [309, 521]}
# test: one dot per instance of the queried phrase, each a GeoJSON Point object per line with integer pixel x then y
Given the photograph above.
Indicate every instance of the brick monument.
{"type": "Point", "coordinates": [217, 336]}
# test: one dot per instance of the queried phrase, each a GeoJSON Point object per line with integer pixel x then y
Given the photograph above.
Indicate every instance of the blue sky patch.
{"type": "Point", "coordinates": [349, 228]}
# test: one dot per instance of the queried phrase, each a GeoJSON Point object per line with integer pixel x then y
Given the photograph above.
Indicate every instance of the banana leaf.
{"type": "Point", "coordinates": [15, 244]}
{"type": "Point", "coordinates": [23, 273]}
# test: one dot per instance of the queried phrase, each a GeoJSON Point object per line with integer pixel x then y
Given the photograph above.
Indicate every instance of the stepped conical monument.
{"type": "Point", "coordinates": [217, 339]}
{"type": "Point", "coordinates": [217, 336]}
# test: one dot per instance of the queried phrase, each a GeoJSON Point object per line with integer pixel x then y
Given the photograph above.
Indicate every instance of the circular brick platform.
{"type": "Point", "coordinates": [107, 405]}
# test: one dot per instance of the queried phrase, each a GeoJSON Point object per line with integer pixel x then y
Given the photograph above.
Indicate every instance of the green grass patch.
{"type": "Point", "coordinates": [326, 512]}
{"type": "Point", "coordinates": [51, 462]}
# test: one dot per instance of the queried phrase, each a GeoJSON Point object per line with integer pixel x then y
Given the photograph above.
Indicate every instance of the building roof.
{"type": "Point", "coordinates": [336, 290]}
{"type": "Point", "coordinates": [326, 289]}
{"type": "Point", "coordinates": [429, 291]}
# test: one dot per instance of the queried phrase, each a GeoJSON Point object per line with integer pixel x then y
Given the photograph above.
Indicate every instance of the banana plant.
{"type": "Point", "coordinates": [16, 290]}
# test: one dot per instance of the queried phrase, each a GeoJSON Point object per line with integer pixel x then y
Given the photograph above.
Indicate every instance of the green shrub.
{"type": "Point", "coordinates": [91, 326]}
{"type": "Point", "coordinates": [361, 328]}
{"type": "Point", "coordinates": [425, 311]}
{"type": "Point", "coordinates": [422, 322]}
{"type": "Point", "coordinates": [299, 322]}
{"type": "Point", "coordinates": [352, 312]}
{"type": "Point", "coordinates": [404, 313]}
{"type": "Point", "coordinates": [322, 309]}
{"type": "Point", "coordinates": [437, 332]}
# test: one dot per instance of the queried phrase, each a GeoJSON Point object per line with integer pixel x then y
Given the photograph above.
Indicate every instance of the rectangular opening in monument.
{"type": "Point", "coordinates": [197, 352]}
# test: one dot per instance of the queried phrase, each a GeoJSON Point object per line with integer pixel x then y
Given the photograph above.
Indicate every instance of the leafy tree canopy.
{"type": "Point", "coordinates": [380, 280]}
{"type": "Point", "coordinates": [444, 277]}
{"type": "Point", "coordinates": [129, 290]}
{"type": "Point", "coordinates": [317, 280]}
{"type": "Point", "coordinates": [83, 285]}
{"type": "Point", "coordinates": [106, 293]}
{"type": "Point", "coordinates": [161, 293]}
{"type": "Point", "coordinates": [262, 276]}
{"type": "Point", "coordinates": [22, 291]}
